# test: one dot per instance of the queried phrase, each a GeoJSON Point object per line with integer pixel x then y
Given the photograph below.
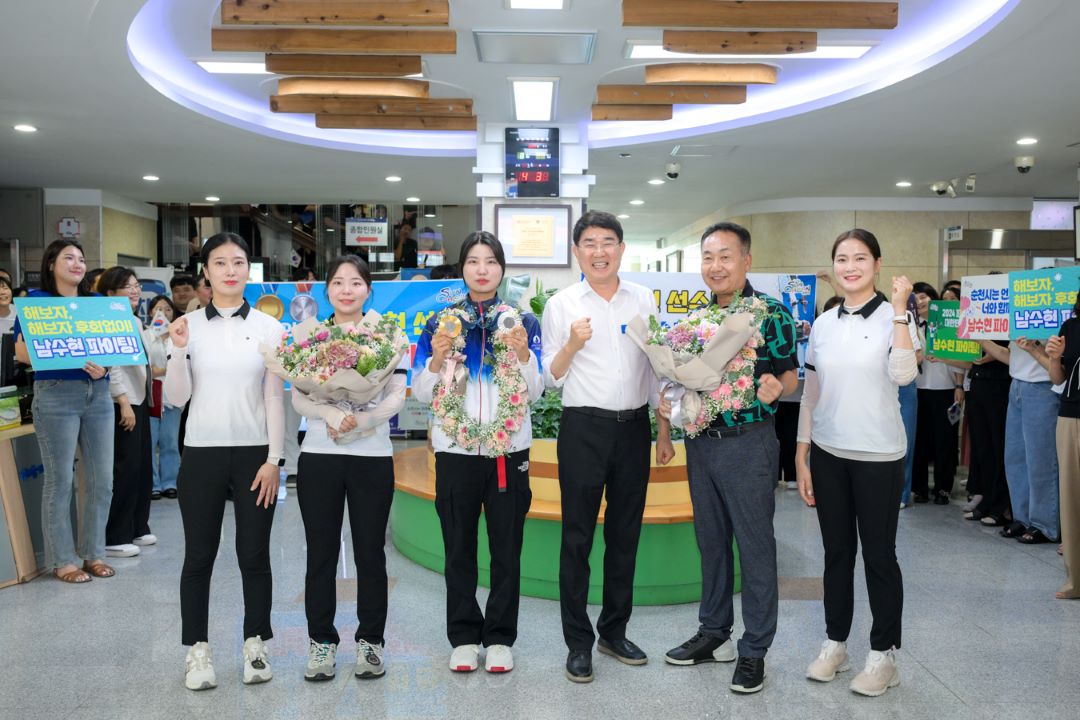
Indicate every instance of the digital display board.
{"type": "Point", "coordinates": [532, 162]}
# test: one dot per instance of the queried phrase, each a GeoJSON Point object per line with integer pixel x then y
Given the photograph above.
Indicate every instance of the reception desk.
{"type": "Point", "coordinates": [20, 506]}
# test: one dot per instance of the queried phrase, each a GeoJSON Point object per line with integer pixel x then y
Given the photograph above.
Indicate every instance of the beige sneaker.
{"type": "Point", "coordinates": [833, 659]}
{"type": "Point", "coordinates": [465, 658]}
{"type": "Point", "coordinates": [879, 675]}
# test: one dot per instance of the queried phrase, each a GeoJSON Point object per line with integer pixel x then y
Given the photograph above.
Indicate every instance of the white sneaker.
{"type": "Point", "coordinates": [148, 539]}
{"type": "Point", "coordinates": [833, 659]}
{"type": "Point", "coordinates": [125, 550]}
{"type": "Point", "coordinates": [369, 660]}
{"type": "Point", "coordinates": [199, 674]}
{"type": "Point", "coordinates": [256, 661]}
{"type": "Point", "coordinates": [879, 675]}
{"type": "Point", "coordinates": [499, 659]}
{"type": "Point", "coordinates": [465, 658]}
{"type": "Point", "coordinates": [322, 659]}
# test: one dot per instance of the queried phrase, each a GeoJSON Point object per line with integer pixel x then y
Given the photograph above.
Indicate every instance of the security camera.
{"type": "Point", "coordinates": [1024, 163]}
{"type": "Point", "coordinates": [940, 188]}
{"type": "Point", "coordinates": [672, 169]}
{"type": "Point", "coordinates": [950, 190]}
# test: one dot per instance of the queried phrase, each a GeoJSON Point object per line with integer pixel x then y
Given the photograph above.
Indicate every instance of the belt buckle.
{"type": "Point", "coordinates": [619, 417]}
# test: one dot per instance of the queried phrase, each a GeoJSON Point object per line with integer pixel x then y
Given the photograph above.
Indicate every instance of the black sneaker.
{"type": "Point", "coordinates": [701, 648]}
{"type": "Point", "coordinates": [941, 499]}
{"type": "Point", "coordinates": [749, 675]}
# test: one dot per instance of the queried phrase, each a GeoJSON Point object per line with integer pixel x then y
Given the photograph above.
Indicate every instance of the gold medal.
{"type": "Point", "coordinates": [451, 326]}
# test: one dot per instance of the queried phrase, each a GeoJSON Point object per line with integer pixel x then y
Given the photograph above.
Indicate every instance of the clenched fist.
{"type": "Point", "coordinates": [580, 332]}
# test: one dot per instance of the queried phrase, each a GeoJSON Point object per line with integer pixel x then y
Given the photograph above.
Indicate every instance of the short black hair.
{"type": "Point", "coordinates": [600, 219]}
{"type": "Point", "coordinates": [159, 298]}
{"type": "Point", "coordinates": [48, 261]}
{"type": "Point", "coordinates": [201, 280]}
{"type": "Point", "coordinates": [349, 259]}
{"type": "Point", "coordinates": [181, 279]}
{"type": "Point", "coordinates": [482, 237]}
{"type": "Point", "coordinates": [925, 288]}
{"type": "Point", "coordinates": [113, 279]}
{"type": "Point", "coordinates": [300, 274]}
{"type": "Point", "coordinates": [223, 238]}
{"type": "Point", "coordinates": [866, 237]}
{"type": "Point", "coordinates": [729, 227]}
{"type": "Point", "coordinates": [444, 272]}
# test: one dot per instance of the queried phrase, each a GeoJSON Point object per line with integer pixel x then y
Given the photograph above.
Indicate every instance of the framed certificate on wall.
{"type": "Point", "coordinates": [534, 235]}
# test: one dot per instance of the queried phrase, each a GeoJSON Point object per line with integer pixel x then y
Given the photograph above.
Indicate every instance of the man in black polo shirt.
{"type": "Point", "coordinates": [732, 468]}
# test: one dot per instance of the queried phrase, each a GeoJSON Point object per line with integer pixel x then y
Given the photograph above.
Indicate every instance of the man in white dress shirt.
{"type": "Point", "coordinates": [604, 437]}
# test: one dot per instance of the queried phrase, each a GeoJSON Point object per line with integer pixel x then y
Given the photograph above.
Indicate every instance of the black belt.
{"type": "Point", "coordinates": [616, 415]}
{"type": "Point", "coordinates": [735, 430]}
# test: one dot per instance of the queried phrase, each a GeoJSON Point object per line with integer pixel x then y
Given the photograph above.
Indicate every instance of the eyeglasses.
{"type": "Point", "coordinates": [129, 287]}
{"type": "Point", "coordinates": [590, 246]}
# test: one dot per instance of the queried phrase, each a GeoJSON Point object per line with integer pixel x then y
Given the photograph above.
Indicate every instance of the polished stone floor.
{"type": "Point", "coordinates": [983, 638]}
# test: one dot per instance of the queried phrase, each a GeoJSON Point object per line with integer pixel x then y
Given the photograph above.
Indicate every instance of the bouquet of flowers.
{"type": "Point", "coordinates": [342, 365]}
{"type": "Point", "coordinates": [448, 404]}
{"type": "Point", "coordinates": [711, 354]}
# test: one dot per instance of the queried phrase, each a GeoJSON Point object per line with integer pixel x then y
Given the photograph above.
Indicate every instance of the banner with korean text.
{"type": "Point", "coordinates": [984, 307]}
{"type": "Point", "coordinates": [942, 321]}
{"type": "Point", "coordinates": [1040, 301]}
{"type": "Point", "coordinates": [63, 333]}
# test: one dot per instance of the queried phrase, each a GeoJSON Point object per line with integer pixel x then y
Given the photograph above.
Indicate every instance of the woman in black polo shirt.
{"type": "Point", "coordinates": [234, 440]}
{"type": "Point", "coordinates": [852, 435]}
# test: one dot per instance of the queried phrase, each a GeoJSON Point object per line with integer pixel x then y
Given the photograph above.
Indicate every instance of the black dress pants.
{"type": "Point", "coordinates": [936, 441]}
{"type": "Point", "coordinates": [325, 483]}
{"type": "Point", "coordinates": [133, 479]}
{"type": "Point", "coordinates": [465, 484]}
{"type": "Point", "coordinates": [206, 473]}
{"type": "Point", "coordinates": [987, 406]}
{"type": "Point", "coordinates": [859, 501]}
{"type": "Point", "coordinates": [598, 454]}
{"type": "Point", "coordinates": [787, 432]}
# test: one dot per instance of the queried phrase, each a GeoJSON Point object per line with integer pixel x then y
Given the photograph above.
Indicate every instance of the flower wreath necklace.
{"type": "Point", "coordinates": [491, 438]}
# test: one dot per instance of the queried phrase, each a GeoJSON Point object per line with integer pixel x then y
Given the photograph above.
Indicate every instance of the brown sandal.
{"type": "Point", "coordinates": [75, 576]}
{"type": "Point", "coordinates": [99, 569]}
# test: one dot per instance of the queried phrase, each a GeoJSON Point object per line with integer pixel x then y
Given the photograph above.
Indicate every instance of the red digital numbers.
{"type": "Point", "coordinates": [539, 176]}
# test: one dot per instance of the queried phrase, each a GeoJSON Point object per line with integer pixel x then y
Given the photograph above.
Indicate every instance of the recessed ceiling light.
{"type": "Point", "coordinates": [393, 178]}
{"type": "Point", "coordinates": [535, 4]}
{"type": "Point", "coordinates": [656, 181]}
{"type": "Point", "coordinates": [823, 52]}
{"type": "Point", "coordinates": [329, 230]}
{"type": "Point", "coordinates": [637, 202]}
{"type": "Point", "coordinates": [1027, 141]}
{"type": "Point", "coordinates": [218, 67]}
{"type": "Point", "coordinates": [903, 184]}
{"type": "Point", "coordinates": [623, 216]}
{"type": "Point", "coordinates": [150, 178]}
{"type": "Point", "coordinates": [23, 127]}
{"type": "Point", "coordinates": [212, 198]}
{"type": "Point", "coordinates": [410, 199]}
{"type": "Point", "coordinates": [439, 225]}
{"type": "Point", "coordinates": [534, 99]}
{"type": "Point", "coordinates": [625, 155]}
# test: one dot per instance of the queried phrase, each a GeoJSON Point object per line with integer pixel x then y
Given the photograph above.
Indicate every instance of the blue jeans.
{"type": "Point", "coordinates": [1031, 466]}
{"type": "Point", "coordinates": [165, 449]}
{"type": "Point", "coordinates": [70, 414]}
{"type": "Point", "coordinates": [909, 407]}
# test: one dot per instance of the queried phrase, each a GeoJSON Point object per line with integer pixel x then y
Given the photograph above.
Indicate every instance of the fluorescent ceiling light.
{"type": "Point", "coordinates": [824, 52]}
{"type": "Point", "coordinates": [24, 128]}
{"type": "Point", "coordinates": [535, 4]}
{"type": "Point", "coordinates": [1027, 141]}
{"type": "Point", "coordinates": [534, 100]}
{"type": "Point", "coordinates": [903, 184]}
{"type": "Point", "coordinates": [623, 216]}
{"type": "Point", "coordinates": [212, 198]}
{"type": "Point", "coordinates": [393, 178]}
{"type": "Point", "coordinates": [656, 181]}
{"type": "Point", "coordinates": [412, 199]}
{"type": "Point", "coordinates": [150, 178]}
{"type": "Point", "coordinates": [218, 67]}
{"type": "Point", "coordinates": [637, 202]}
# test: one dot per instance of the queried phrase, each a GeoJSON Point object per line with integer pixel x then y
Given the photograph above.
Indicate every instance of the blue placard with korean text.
{"type": "Point", "coordinates": [62, 333]}
{"type": "Point", "coordinates": [1040, 301]}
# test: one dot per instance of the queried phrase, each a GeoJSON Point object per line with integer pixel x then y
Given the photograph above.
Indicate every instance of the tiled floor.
{"type": "Point", "coordinates": [984, 638]}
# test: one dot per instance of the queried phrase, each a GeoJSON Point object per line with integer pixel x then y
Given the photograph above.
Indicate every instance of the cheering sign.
{"type": "Point", "coordinates": [942, 321]}
{"type": "Point", "coordinates": [62, 333]}
{"type": "Point", "coordinates": [984, 307]}
{"type": "Point", "coordinates": [1040, 301]}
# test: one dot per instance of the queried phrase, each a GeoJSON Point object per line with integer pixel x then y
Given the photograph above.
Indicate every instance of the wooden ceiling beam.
{"type": "Point", "coordinates": [761, 14]}
{"type": "Point", "coordinates": [739, 43]}
{"type": "Point", "coordinates": [313, 40]}
{"type": "Point", "coordinates": [335, 12]}
{"type": "Point", "coordinates": [711, 74]}
{"type": "Point", "coordinates": [385, 122]}
{"type": "Point", "coordinates": [354, 87]}
{"type": "Point", "coordinates": [337, 105]}
{"type": "Point", "coordinates": [631, 112]}
{"type": "Point", "coordinates": [670, 94]}
{"type": "Point", "coordinates": [344, 65]}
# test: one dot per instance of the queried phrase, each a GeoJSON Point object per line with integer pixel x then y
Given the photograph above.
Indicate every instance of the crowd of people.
{"type": "Point", "coordinates": [875, 411]}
